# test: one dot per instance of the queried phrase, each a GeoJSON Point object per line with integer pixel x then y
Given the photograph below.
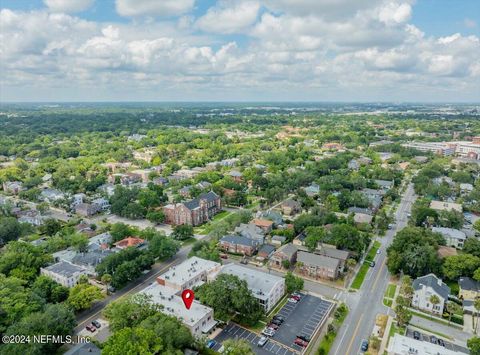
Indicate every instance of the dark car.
{"type": "Point", "coordinates": [364, 346]}
{"type": "Point", "coordinates": [304, 337]}
{"type": "Point", "coordinates": [416, 335]}
{"type": "Point", "coordinates": [372, 263]}
{"type": "Point", "coordinates": [276, 321]}
{"type": "Point", "coordinates": [441, 342]}
{"type": "Point", "coordinates": [433, 339]}
{"type": "Point", "coordinates": [211, 344]}
{"type": "Point", "coordinates": [91, 328]}
{"type": "Point", "coordinates": [96, 324]}
{"type": "Point", "coordinates": [279, 318]}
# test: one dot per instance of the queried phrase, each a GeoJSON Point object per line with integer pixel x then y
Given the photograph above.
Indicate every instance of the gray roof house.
{"type": "Point", "coordinates": [251, 231]}
{"type": "Point", "coordinates": [385, 184]}
{"type": "Point", "coordinates": [424, 288]}
{"type": "Point", "coordinates": [239, 240]}
{"type": "Point", "coordinates": [453, 237]}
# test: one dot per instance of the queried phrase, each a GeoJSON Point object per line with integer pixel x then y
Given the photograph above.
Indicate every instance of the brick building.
{"type": "Point", "coordinates": [193, 212]}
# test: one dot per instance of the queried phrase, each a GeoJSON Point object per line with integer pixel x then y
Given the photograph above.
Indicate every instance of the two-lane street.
{"type": "Point", "coordinates": [367, 303]}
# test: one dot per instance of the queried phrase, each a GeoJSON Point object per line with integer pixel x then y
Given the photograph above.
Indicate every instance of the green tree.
{"type": "Point", "coordinates": [293, 283]}
{"type": "Point", "coordinates": [132, 341]}
{"type": "Point", "coordinates": [452, 308]}
{"type": "Point", "coordinates": [237, 347]}
{"type": "Point", "coordinates": [50, 226]}
{"type": "Point", "coordinates": [83, 295]}
{"type": "Point", "coordinates": [157, 217]}
{"type": "Point", "coordinates": [460, 265]}
{"type": "Point", "coordinates": [49, 290]}
{"type": "Point", "coordinates": [9, 229]}
{"type": "Point", "coordinates": [403, 314]}
{"type": "Point", "coordinates": [162, 247]}
{"type": "Point", "coordinates": [434, 300]}
{"type": "Point", "coordinates": [473, 345]}
{"type": "Point", "coordinates": [182, 232]}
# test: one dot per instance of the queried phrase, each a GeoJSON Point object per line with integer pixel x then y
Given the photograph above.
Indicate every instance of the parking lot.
{"type": "Point", "coordinates": [234, 331]}
{"type": "Point", "coordinates": [302, 318]}
{"type": "Point", "coordinates": [448, 345]}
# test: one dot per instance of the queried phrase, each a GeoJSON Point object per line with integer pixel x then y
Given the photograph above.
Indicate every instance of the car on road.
{"type": "Point", "coordinates": [91, 328]}
{"type": "Point", "coordinates": [97, 324]}
{"type": "Point", "coordinates": [441, 342]}
{"type": "Point", "coordinates": [433, 339]}
{"type": "Point", "coordinates": [364, 346]}
{"type": "Point", "coordinates": [262, 341]}
{"type": "Point", "coordinates": [301, 342]}
{"type": "Point", "coordinates": [211, 344]}
{"type": "Point", "coordinates": [416, 335]}
{"type": "Point", "coordinates": [304, 337]}
{"type": "Point", "coordinates": [268, 332]}
{"type": "Point", "coordinates": [378, 251]}
{"type": "Point", "coordinates": [279, 319]}
{"type": "Point", "coordinates": [372, 263]}
{"type": "Point", "coordinates": [292, 300]}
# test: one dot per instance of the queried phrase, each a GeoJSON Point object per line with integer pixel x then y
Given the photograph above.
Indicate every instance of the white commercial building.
{"type": "Point", "coordinates": [199, 318]}
{"type": "Point", "coordinates": [267, 288]}
{"type": "Point", "coordinates": [402, 345]}
{"type": "Point", "coordinates": [65, 273]}
{"type": "Point", "coordinates": [192, 272]}
{"type": "Point", "coordinates": [440, 148]}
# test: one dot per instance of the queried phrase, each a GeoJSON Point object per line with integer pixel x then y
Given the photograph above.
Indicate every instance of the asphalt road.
{"type": "Point", "coordinates": [367, 303]}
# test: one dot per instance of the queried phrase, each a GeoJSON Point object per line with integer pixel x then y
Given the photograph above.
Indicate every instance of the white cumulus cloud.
{"type": "Point", "coordinates": [68, 6]}
{"type": "Point", "coordinates": [153, 7]}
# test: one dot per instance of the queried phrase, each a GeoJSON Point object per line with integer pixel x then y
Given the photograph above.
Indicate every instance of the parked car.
{"type": "Point", "coordinates": [97, 324]}
{"type": "Point", "coordinates": [91, 328]}
{"type": "Point", "coordinates": [279, 318]}
{"type": "Point", "coordinates": [276, 322]}
{"type": "Point", "coordinates": [268, 332]}
{"type": "Point", "coordinates": [304, 337]}
{"type": "Point", "coordinates": [364, 346]}
{"type": "Point", "coordinates": [273, 326]}
{"type": "Point", "coordinates": [441, 342]}
{"type": "Point", "coordinates": [295, 296]}
{"type": "Point", "coordinates": [292, 300]}
{"type": "Point", "coordinates": [378, 251]}
{"type": "Point", "coordinates": [262, 341]}
{"type": "Point", "coordinates": [433, 339]}
{"type": "Point", "coordinates": [224, 256]}
{"type": "Point", "coordinates": [372, 263]}
{"type": "Point", "coordinates": [301, 342]}
{"type": "Point", "coordinates": [416, 335]}
{"type": "Point", "coordinates": [211, 343]}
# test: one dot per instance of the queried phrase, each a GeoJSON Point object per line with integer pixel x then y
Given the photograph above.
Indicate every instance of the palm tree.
{"type": "Point", "coordinates": [106, 279]}
{"type": "Point", "coordinates": [452, 308]}
{"type": "Point", "coordinates": [434, 300]}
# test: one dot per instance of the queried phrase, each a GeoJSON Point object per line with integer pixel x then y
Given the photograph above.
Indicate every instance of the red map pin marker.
{"type": "Point", "coordinates": [188, 296]}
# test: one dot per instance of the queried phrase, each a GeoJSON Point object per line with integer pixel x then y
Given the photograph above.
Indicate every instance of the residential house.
{"type": "Point", "coordinates": [128, 242]}
{"type": "Point", "coordinates": [312, 190]}
{"type": "Point", "coordinates": [287, 252]}
{"type": "Point", "coordinates": [185, 191]}
{"type": "Point", "coordinates": [266, 251]}
{"type": "Point", "coordinates": [251, 231]}
{"type": "Point", "coordinates": [273, 216]}
{"type": "Point", "coordinates": [424, 288]}
{"type": "Point", "coordinates": [146, 155]}
{"type": "Point", "coordinates": [265, 224]}
{"type": "Point", "coordinates": [238, 244]}
{"type": "Point", "coordinates": [193, 212]}
{"type": "Point", "coordinates": [278, 239]}
{"type": "Point", "coordinates": [86, 209]}
{"type": "Point", "coordinates": [236, 175]}
{"type": "Point", "coordinates": [203, 185]}
{"type": "Point", "coordinates": [108, 189]}
{"type": "Point", "coordinates": [362, 218]}
{"type": "Point", "coordinates": [91, 258]}
{"type": "Point", "coordinates": [65, 273]}
{"type": "Point", "coordinates": [78, 199]}
{"type": "Point", "coordinates": [453, 237]}
{"type": "Point", "coordinates": [32, 217]}
{"type": "Point", "coordinates": [300, 240]}
{"type": "Point", "coordinates": [268, 289]}
{"type": "Point", "coordinates": [143, 173]}
{"type": "Point", "coordinates": [340, 255]}
{"type": "Point", "coordinates": [469, 289]}
{"type": "Point", "coordinates": [291, 207]}
{"type": "Point", "coordinates": [353, 164]}
{"type": "Point", "coordinates": [51, 195]}
{"type": "Point", "coordinates": [317, 266]}
{"type": "Point", "coordinates": [466, 188]}
{"type": "Point", "coordinates": [446, 206]}
{"type": "Point", "coordinates": [333, 146]}
{"type": "Point", "coordinates": [13, 187]}
{"type": "Point", "coordinates": [160, 181]}
{"type": "Point", "coordinates": [101, 203]}
{"type": "Point", "coordinates": [385, 185]}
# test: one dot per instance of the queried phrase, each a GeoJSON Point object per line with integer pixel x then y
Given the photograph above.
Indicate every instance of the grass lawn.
{"type": "Point", "coordinates": [357, 282]}
{"type": "Point", "coordinates": [391, 290]}
{"type": "Point", "coordinates": [387, 302]}
{"type": "Point", "coordinates": [188, 241]}
{"type": "Point", "coordinates": [207, 228]}
{"type": "Point", "coordinates": [434, 318]}
{"type": "Point", "coordinates": [329, 338]}
{"type": "Point", "coordinates": [373, 251]}
{"type": "Point", "coordinates": [395, 329]}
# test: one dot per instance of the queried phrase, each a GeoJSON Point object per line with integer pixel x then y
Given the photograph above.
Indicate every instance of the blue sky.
{"type": "Point", "coordinates": [353, 50]}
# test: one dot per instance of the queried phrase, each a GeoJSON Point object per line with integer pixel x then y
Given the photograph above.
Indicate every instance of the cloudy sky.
{"type": "Point", "coordinates": [240, 50]}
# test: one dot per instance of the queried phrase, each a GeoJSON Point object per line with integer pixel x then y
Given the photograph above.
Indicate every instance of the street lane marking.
{"type": "Point", "coordinates": [354, 334]}
{"type": "Point", "coordinates": [378, 275]}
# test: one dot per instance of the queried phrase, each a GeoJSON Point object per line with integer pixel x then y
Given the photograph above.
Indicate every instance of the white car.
{"type": "Point", "coordinates": [268, 332]}
{"type": "Point", "coordinates": [378, 251]}
{"type": "Point", "coordinates": [262, 341]}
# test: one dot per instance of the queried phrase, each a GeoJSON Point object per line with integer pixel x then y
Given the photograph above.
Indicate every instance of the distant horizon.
{"type": "Point", "coordinates": [242, 102]}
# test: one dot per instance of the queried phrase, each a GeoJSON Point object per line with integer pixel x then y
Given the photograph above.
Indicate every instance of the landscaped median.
{"type": "Point", "coordinates": [389, 295]}
{"type": "Point", "coordinates": [362, 272]}
{"type": "Point", "coordinates": [339, 316]}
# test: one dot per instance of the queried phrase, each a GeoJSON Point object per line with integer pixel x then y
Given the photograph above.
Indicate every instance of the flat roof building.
{"type": "Point", "coordinates": [192, 272]}
{"type": "Point", "coordinates": [446, 206]}
{"type": "Point", "coordinates": [267, 288]}
{"type": "Point", "coordinates": [402, 345]}
{"type": "Point", "coordinates": [65, 273]}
